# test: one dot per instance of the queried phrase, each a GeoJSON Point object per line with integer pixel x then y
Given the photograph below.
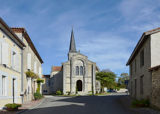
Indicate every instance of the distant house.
{"type": "Point", "coordinates": [144, 68]}
{"type": "Point", "coordinates": [46, 85]}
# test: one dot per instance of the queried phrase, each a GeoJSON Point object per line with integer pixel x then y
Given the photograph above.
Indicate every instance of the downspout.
{"type": "Point", "coordinates": [22, 80]}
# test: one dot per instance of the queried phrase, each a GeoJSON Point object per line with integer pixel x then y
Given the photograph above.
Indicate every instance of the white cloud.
{"type": "Point", "coordinates": [140, 15]}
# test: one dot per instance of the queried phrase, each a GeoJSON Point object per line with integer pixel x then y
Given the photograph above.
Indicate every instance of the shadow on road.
{"type": "Point", "coordinates": [83, 105]}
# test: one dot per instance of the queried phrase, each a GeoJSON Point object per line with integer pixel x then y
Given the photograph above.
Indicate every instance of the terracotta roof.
{"type": "Point", "coordinates": [154, 68]}
{"type": "Point", "coordinates": [47, 76]}
{"type": "Point", "coordinates": [18, 30]}
{"type": "Point", "coordinates": [152, 31]}
{"type": "Point", "coordinates": [28, 39]}
{"type": "Point", "coordinates": [140, 43]}
{"type": "Point", "coordinates": [56, 68]}
{"type": "Point", "coordinates": [12, 33]}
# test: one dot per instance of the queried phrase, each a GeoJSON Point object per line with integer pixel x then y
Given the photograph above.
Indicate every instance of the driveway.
{"type": "Point", "coordinates": [81, 105]}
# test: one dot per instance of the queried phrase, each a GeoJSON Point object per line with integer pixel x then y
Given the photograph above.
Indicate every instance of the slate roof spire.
{"type": "Point", "coordinates": [72, 47]}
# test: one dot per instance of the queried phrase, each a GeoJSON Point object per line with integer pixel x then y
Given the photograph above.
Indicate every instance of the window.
{"type": "Point", "coordinates": [81, 70]}
{"type": "Point", "coordinates": [77, 70]}
{"type": "Point", "coordinates": [142, 58]}
{"type": "Point", "coordinates": [3, 85]}
{"type": "Point", "coordinates": [29, 61]}
{"type": "Point", "coordinates": [40, 70]}
{"type": "Point", "coordinates": [141, 85]}
{"type": "Point", "coordinates": [135, 65]}
{"type": "Point", "coordinates": [0, 53]}
{"type": "Point", "coordinates": [131, 87]}
{"type": "Point", "coordinates": [35, 67]}
{"type": "Point", "coordinates": [131, 69]}
{"type": "Point", "coordinates": [5, 53]}
{"type": "Point", "coordinates": [13, 59]}
{"type": "Point", "coordinates": [135, 88]}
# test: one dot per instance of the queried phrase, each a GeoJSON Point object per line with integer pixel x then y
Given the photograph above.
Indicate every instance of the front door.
{"type": "Point", "coordinates": [79, 85]}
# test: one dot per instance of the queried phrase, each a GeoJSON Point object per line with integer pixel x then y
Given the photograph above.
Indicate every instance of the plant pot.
{"type": "Point", "coordinates": [12, 109]}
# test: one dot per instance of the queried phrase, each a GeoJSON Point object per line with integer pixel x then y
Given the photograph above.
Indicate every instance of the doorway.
{"type": "Point", "coordinates": [79, 85]}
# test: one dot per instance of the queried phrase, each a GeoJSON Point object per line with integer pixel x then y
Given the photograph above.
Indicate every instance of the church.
{"type": "Point", "coordinates": [76, 76]}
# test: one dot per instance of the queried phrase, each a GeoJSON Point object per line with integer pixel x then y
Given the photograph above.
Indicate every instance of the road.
{"type": "Point", "coordinates": [81, 105]}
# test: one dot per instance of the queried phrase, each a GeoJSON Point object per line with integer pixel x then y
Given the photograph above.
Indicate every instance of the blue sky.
{"type": "Point", "coordinates": [105, 30]}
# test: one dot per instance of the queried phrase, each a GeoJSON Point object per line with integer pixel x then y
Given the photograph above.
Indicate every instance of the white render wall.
{"type": "Point", "coordinates": [155, 49]}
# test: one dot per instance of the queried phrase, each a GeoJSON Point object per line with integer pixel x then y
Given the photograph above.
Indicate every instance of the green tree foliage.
{"type": "Point", "coordinates": [121, 80]}
{"type": "Point", "coordinates": [107, 79]}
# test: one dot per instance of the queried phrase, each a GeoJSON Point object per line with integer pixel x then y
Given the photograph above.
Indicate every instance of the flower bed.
{"type": "Point", "coordinates": [12, 106]}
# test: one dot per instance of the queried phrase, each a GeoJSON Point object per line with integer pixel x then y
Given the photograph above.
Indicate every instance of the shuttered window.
{"type": "Point", "coordinates": [35, 67]}
{"type": "Point", "coordinates": [13, 59]}
{"type": "Point", "coordinates": [0, 52]}
{"type": "Point", "coordinates": [18, 62]}
{"type": "Point", "coordinates": [142, 58]}
{"type": "Point", "coordinates": [5, 55]}
{"type": "Point", "coordinates": [29, 61]}
{"type": "Point", "coordinates": [4, 89]}
{"type": "Point", "coordinates": [40, 71]}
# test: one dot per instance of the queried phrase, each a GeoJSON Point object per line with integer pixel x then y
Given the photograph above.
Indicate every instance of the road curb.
{"type": "Point", "coordinates": [25, 110]}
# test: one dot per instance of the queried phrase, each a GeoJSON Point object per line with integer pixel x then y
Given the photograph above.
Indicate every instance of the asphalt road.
{"type": "Point", "coordinates": [81, 105]}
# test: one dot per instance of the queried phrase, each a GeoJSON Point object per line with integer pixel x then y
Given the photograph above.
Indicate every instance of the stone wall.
{"type": "Point", "coordinates": [155, 98]}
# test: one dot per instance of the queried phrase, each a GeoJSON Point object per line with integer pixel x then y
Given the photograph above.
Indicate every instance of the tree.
{"type": "Point", "coordinates": [122, 78]}
{"type": "Point", "coordinates": [107, 79]}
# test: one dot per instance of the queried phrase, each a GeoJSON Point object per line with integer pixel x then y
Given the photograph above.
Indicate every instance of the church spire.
{"type": "Point", "coordinates": [72, 47]}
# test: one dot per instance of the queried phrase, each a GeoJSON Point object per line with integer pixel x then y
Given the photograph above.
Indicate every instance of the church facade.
{"type": "Point", "coordinates": [77, 75]}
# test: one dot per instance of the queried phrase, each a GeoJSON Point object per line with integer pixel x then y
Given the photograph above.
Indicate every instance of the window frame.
{"type": "Point", "coordinates": [142, 58]}
{"type": "Point", "coordinates": [81, 70]}
{"type": "Point", "coordinates": [77, 70]}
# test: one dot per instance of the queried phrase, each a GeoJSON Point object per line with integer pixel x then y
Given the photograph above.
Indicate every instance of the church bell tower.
{"type": "Point", "coordinates": [72, 47]}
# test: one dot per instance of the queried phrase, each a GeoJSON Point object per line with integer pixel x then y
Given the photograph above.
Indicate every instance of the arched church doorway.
{"type": "Point", "coordinates": [79, 85]}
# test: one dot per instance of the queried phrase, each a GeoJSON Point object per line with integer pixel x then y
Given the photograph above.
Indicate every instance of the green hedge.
{"type": "Point", "coordinates": [13, 105]}
{"type": "Point", "coordinates": [58, 92]}
{"type": "Point", "coordinates": [141, 103]}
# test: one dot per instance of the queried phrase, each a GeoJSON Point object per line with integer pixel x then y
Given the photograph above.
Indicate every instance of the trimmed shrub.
{"type": "Point", "coordinates": [58, 92]}
{"type": "Point", "coordinates": [31, 74]}
{"type": "Point", "coordinates": [12, 106]}
{"type": "Point", "coordinates": [40, 80]}
{"type": "Point", "coordinates": [68, 92]}
{"type": "Point", "coordinates": [37, 96]}
{"type": "Point", "coordinates": [141, 103]}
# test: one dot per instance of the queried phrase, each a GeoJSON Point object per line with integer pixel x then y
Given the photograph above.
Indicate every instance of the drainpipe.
{"type": "Point", "coordinates": [22, 94]}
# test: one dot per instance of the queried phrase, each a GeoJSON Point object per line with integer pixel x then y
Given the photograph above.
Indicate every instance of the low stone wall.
{"type": "Point", "coordinates": [155, 98]}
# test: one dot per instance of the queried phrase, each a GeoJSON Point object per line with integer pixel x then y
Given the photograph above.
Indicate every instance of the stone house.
{"type": "Point", "coordinates": [46, 85]}
{"type": "Point", "coordinates": [142, 64]}
{"type": "Point", "coordinates": [32, 61]}
{"type": "Point", "coordinates": [77, 75]}
{"type": "Point", "coordinates": [11, 49]}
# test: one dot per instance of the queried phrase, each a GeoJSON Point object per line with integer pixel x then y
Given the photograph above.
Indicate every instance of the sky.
{"type": "Point", "coordinates": [105, 30]}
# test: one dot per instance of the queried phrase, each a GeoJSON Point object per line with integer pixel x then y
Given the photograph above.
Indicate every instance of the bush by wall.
{"type": "Point", "coordinates": [58, 92]}
{"type": "Point", "coordinates": [12, 106]}
{"type": "Point", "coordinates": [37, 96]}
{"type": "Point", "coordinates": [141, 103]}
